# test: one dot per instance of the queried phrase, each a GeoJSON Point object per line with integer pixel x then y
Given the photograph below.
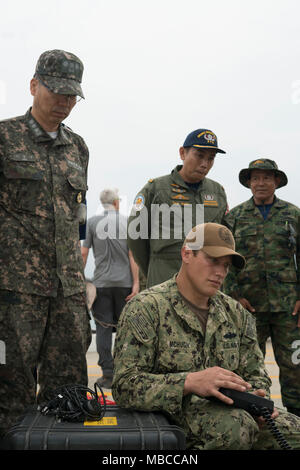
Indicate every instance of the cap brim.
{"type": "Point", "coordinates": [209, 147]}
{"type": "Point", "coordinates": [63, 86]}
{"type": "Point", "coordinates": [244, 176]}
{"type": "Point", "coordinates": [217, 251]}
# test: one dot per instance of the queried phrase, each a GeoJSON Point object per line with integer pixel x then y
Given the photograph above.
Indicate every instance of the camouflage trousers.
{"type": "Point", "coordinates": [213, 426]}
{"type": "Point", "coordinates": [45, 343]}
{"type": "Point", "coordinates": [282, 328]}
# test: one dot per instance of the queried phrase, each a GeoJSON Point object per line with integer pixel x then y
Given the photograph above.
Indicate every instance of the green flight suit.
{"type": "Point", "coordinates": [270, 282]}
{"type": "Point", "coordinates": [159, 256]}
{"type": "Point", "coordinates": [160, 340]}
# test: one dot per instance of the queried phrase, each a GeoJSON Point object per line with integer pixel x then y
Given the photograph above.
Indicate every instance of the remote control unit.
{"type": "Point", "coordinates": [254, 404]}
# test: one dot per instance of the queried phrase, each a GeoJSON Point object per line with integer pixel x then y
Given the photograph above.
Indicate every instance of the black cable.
{"type": "Point", "coordinates": [70, 403]}
{"type": "Point", "coordinates": [266, 414]}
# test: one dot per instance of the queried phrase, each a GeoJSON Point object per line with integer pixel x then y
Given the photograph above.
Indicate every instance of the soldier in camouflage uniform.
{"type": "Point", "coordinates": [267, 231]}
{"type": "Point", "coordinates": [44, 321]}
{"type": "Point", "coordinates": [179, 342]}
{"type": "Point", "coordinates": [184, 191]}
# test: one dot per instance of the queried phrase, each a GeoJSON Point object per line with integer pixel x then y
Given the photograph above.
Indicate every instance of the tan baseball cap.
{"type": "Point", "coordinates": [215, 240]}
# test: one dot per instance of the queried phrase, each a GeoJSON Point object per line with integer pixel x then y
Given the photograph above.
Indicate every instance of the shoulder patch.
{"type": "Point", "coordinates": [151, 180]}
{"type": "Point", "coordinates": [139, 202]}
{"type": "Point", "coordinates": [142, 328]}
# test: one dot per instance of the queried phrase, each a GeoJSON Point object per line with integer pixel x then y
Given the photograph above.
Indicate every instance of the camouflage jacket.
{"type": "Point", "coordinates": [160, 340]}
{"type": "Point", "coordinates": [157, 252]}
{"type": "Point", "coordinates": [42, 184]}
{"type": "Point", "coordinates": [272, 249]}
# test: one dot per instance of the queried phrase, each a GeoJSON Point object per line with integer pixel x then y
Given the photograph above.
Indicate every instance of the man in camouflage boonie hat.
{"type": "Point", "coordinates": [186, 191]}
{"type": "Point", "coordinates": [179, 342]}
{"type": "Point", "coordinates": [263, 164]}
{"type": "Point", "coordinates": [267, 234]}
{"type": "Point", "coordinates": [44, 321]}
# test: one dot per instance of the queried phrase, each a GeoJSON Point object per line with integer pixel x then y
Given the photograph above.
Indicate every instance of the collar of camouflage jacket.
{"type": "Point", "coordinates": [38, 134]}
{"type": "Point", "coordinates": [251, 206]}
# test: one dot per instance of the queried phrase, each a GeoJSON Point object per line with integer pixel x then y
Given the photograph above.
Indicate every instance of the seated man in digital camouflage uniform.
{"type": "Point", "coordinates": [181, 341]}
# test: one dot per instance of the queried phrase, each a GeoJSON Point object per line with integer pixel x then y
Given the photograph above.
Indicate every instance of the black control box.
{"type": "Point", "coordinates": [248, 401]}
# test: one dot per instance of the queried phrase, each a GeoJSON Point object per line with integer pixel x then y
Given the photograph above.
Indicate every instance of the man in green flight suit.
{"type": "Point", "coordinates": [179, 342]}
{"type": "Point", "coordinates": [267, 231]}
{"type": "Point", "coordinates": [169, 206]}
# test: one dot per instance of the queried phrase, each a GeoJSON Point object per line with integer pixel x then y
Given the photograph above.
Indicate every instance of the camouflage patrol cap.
{"type": "Point", "coordinates": [61, 72]}
{"type": "Point", "coordinates": [202, 138]}
{"type": "Point", "coordinates": [215, 240]}
{"type": "Point", "coordinates": [262, 164]}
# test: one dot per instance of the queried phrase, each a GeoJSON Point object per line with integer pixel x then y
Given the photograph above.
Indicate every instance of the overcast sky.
{"type": "Point", "coordinates": [154, 71]}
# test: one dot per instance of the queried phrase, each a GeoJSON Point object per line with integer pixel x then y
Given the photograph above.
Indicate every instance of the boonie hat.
{"type": "Point", "coordinates": [202, 138]}
{"type": "Point", "coordinates": [262, 164]}
{"type": "Point", "coordinates": [215, 240]}
{"type": "Point", "coordinates": [61, 72]}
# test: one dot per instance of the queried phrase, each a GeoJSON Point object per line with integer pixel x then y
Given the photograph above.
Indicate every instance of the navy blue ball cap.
{"type": "Point", "coordinates": [202, 138]}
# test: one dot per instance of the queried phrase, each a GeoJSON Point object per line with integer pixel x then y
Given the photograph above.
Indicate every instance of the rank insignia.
{"type": "Point", "coordinates": [209, 200]}
{"type": "Point", "coordinates": [210, 204]}
{"type": "Point", "coordinates": [79, 198]}
{"type": "Point", "coordinates": [181, 197]}
{"type": "Point", "coordinates": [180, 204]}
{"type": "Point", "coordinates": [178, 190]}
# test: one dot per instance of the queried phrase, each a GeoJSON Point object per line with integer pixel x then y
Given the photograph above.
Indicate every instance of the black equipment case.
{"type": "Point", "coordinates": [119, 429]}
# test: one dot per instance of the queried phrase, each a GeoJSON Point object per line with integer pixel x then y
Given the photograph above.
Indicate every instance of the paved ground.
{"type": "Point", "coordinates": [273, 371]}
{"type": "Point", "coordinates": [95, 371]}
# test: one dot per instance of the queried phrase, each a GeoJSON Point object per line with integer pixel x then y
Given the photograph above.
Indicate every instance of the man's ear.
{"type": "Point", "coordinates": [33, 86]}
{"type": "Point", "coordinates": [186, 254]}
{"type": "Point", "coordinates": [182, 153]}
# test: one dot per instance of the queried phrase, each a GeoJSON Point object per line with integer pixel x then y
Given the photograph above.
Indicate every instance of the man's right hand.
{"type": "Point", "coordinates": [207, 382]}
{"type": "Point", "coordinates": [246, 304]}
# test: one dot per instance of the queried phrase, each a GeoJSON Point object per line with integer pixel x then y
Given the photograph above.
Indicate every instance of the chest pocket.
{"type": "Point", "coordinates": [21, 166]}
{"type": "Point", "coordinates": [23, 181]}
{"type": "Point", "coordinates": [285, 233]}
{"type": "Point", "coordinates": [246, 239]}
{"type": "Point", "coordinates": [176, 360]}
{"type": "Point", "coordinates": [227, 348]}
{"type": "Point", "coordinates": [163, 196]}
{"type": "Point", "coordinates": [75, 195]}
{"type": "Point", "coordinates": [167, 216]}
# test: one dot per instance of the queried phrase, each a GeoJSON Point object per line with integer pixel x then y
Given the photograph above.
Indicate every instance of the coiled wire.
{"type": "Point", "coordinates": [265, 413]}
{"type": "Point", "coordinates": [71, 403]}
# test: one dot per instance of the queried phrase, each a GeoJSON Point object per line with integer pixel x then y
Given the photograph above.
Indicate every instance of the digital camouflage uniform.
{"type": "Point", "coordinates": [159, 341]}
{"type": "Point", "coordinates": [159, 258]}
{"type": "Point", "coordinates": [43, 182]}
{"type": "Point", "coordinates": [270, 282]}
